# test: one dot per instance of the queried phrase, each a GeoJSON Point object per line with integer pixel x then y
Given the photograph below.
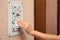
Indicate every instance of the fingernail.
{"type": "Point", "coordinates": [17, 20]}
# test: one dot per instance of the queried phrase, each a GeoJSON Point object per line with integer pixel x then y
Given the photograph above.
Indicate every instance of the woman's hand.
{"type": "Point", "coordinates": [26, 26]}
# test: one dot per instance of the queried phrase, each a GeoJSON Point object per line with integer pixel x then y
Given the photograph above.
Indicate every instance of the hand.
{"type": "Point", "coordinates": [26, 26]}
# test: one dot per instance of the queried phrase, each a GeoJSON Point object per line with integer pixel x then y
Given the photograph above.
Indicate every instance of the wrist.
{"type": "Point", "coordinates": [32, 32]}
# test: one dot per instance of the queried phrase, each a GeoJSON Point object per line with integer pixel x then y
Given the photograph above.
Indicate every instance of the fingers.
{"type": "Point", "coordinates": [24, 25]}
{"type": "Point", "coordinates": [20, 23]}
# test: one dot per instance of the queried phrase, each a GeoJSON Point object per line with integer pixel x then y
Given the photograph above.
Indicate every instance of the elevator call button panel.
{"type": "Point", "coordinates": [15, 12]}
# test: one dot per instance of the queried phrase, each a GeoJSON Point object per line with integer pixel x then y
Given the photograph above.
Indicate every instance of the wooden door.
{"type": "Point", "coordinates": [40, 15]}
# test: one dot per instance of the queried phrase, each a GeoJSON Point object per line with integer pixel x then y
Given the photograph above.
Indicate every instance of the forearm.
{"type": "Point", "coordinates": [44, 36]}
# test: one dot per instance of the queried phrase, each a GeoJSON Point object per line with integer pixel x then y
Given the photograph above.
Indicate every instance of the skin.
{"type": "Point", "coordinates": [27, 27]}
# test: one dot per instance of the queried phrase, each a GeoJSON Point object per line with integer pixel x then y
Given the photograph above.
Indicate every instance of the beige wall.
{"type": "Point", "coordinates": [28, 16]}
{"type": "Point", "coordinates": [51, 16]}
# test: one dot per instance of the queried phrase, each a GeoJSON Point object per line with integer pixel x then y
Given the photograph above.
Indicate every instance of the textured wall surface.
{"type": "Point", "coordinates": [28, 14]}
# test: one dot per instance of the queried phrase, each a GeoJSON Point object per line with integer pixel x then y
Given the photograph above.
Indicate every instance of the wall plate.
{"type": "Point", "coordinates": [15, 12]}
